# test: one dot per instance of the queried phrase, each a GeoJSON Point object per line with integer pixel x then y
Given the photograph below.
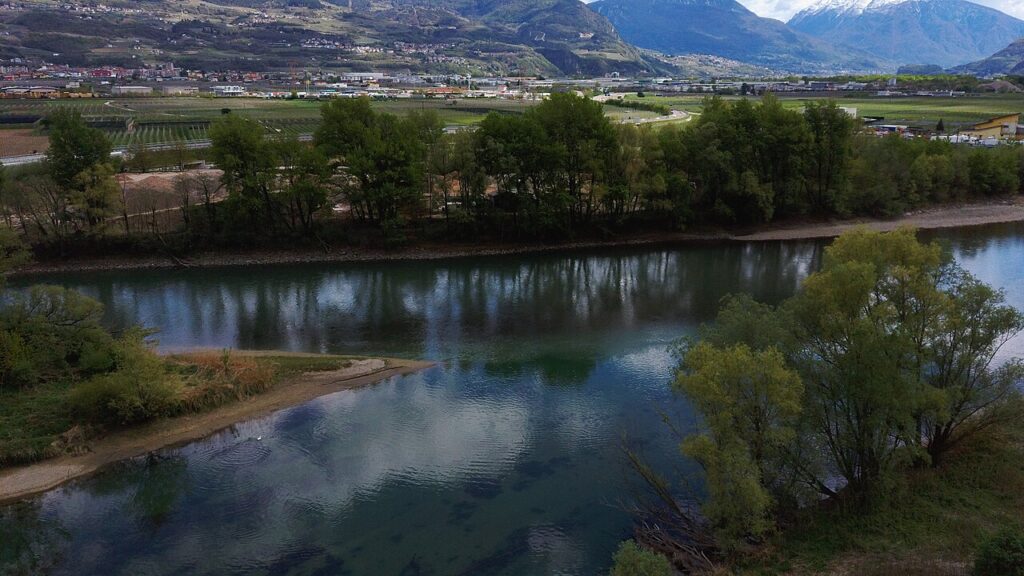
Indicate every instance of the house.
{"type": "Point", "coordinates": [999, 127]}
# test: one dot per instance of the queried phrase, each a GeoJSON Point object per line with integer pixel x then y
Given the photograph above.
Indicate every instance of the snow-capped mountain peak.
{"type": "Point", "coordinates": [847, 7]}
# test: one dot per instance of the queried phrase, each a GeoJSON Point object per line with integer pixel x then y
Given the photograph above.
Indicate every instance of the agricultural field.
{"type": "Point", "coordinates": [168, 120]}
{"type": "Point", "coordinates": [911, 110]}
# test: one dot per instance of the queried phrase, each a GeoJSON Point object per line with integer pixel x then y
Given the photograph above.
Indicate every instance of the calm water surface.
{"type": "Point", "coordinates": [504, 459]}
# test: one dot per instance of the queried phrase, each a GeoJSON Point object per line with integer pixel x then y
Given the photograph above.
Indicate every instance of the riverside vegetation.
{"type": "Point", "coordinates": [560, 170]}
{"type": "Point", "coordinates": [65, 379]}
{"type": "Point", "coordinates": [872, 411]}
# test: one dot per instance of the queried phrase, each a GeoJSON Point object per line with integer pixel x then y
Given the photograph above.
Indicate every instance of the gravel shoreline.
{"type": "Point", "coordinates": [949, 216]}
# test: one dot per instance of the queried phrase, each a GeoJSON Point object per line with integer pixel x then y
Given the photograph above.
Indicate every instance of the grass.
{"type": "Point", "coordinates": [33, 419]}
{"type": "Point", "coordinates": [930, 524]}
{"type": "Point", "coordinates": [959, 110]}
{"type": "Point", "coordinates": [184, 119]}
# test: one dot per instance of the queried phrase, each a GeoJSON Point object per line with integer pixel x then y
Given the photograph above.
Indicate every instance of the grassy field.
{"type": "Point", "coordinates": [923, 110]}
{"type": "Point", "coordinates": [162, 120]}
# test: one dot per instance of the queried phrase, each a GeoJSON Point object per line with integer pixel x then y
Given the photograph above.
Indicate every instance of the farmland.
{"type": "Point", "coordinates": [167, 120]}
{"type": "Point", "coordinates": [187, 119]}
{"type": "Point", "coordinates": [911, 110]}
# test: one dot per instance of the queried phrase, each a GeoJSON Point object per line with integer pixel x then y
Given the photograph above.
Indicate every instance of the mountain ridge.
{"type": "Point", "coordinates": [943, 32]}
{"type": "Point", "coordinates": [477, 36]}
{"type": "Point", "coordinates": [729, 29]}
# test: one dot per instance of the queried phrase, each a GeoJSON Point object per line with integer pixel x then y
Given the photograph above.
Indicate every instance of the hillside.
{"type": "Point", "coordinates": [943, 32]}
{"type": "Point", "coordinates": [726, 28]}
{"type": "Point", "coordinates": [1009, 60]}
{"type": "Point", "coordinates": [474, 36]}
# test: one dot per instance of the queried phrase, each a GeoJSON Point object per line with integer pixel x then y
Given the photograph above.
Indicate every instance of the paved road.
{"type": "Point", "coordinates": [120, 151]}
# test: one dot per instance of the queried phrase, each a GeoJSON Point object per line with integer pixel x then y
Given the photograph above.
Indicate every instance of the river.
{"type": "Point", "coordinates": [503, 459]}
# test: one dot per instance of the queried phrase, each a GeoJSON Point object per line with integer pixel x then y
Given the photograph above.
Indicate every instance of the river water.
{"type": "Point", "coordinates": [503, 459]}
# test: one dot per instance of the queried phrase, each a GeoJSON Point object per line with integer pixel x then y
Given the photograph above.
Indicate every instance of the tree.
{"type": "Point", "coordinates": [74, 146]}
{"type": "Point", "coordinates": [96, 196]}
{"type": "Point", "coordinates": [831, 130]}
{"type": "Point", "coordinates": [139, 157]}
{"type": "Point", "coordinates": [896, 348]}
{"type": "Point", "coordinates": [305, 177]}
{"type": "Point", "coordinates": [750, 401]}
{"type": "Point", "coordinates": [632, 560]}
{"type": "Point", "coordinates": [238, 147]}
{"type": "Point", "coordinates": [12, 252]}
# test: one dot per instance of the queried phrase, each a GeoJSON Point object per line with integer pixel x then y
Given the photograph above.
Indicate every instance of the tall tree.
{"type": "Point", "coordinates": [74, 146]}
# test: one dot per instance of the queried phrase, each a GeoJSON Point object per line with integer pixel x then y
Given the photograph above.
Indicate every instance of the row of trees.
{"type": "Point", "coordinates": [561, 169]}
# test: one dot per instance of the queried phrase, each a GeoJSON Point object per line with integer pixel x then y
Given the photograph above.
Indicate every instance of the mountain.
{"type": "Point", "coordinates": [1009, 60]}
{"type": "Point", "coordinates": [943, 32]}
{"type": "Point", "coordinates": [476, 36]}
{"type": "Point", "coordinates": [726, 28]}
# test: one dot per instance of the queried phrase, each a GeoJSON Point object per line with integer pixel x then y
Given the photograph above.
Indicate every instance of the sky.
{"type": "Point", "coordinates": [784, 9]}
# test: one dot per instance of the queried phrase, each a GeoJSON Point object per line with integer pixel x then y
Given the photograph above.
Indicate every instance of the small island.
{"type": "Point", "coordinates": [203, 392]}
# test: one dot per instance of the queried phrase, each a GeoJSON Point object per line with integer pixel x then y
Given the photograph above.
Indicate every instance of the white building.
{"type": "Point", "coordinates": [228, 91]}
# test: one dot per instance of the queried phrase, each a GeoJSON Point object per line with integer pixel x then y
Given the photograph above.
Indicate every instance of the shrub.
{"type": "Point", "coordinates": [1001, 555]}
{"type": "Point", "coordinates": [632, 560]}
{"type": "Point", "coordinates": [56, 332]}
{"type": "Point", "coordinates": [220, 378]}
{"type": "Point", "coordinates": [138, 389]}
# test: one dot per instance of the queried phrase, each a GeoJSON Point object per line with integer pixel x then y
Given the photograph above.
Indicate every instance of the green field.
{"type": "Point", "coordinates": [925, 110]}
{"type": "Point", "coordinates": [161, 120]}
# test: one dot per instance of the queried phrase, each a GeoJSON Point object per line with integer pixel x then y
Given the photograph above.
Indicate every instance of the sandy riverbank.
{"type": "Point", "coordinates": [948, 216]}
{"type": "Point", "coordinates": [21, 482]}
{"type": "Point", "coordinates": [959, 216]}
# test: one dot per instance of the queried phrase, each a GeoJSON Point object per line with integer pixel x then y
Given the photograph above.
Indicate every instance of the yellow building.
{"type": "Point", "coordinates": [999, 127]}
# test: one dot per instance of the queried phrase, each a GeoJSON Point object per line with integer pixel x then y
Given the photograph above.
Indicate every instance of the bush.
{"type": "Point", "coordinates": [221, 378]}
{"type": "Point", "coordinates": [138, 389]}
{"type": "Point", "coordinates": [632, 560]}
{"type": "Point", "coordinates": [1001, 555]}
{"type": "Point", "coordinates": [55, 332]}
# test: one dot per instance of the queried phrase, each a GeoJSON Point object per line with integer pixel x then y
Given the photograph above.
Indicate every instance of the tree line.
{"type": "Point", "coordinates": [560, 170]}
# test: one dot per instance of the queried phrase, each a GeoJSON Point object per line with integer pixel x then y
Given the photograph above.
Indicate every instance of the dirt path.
{"type": "Point", "coordinates": [24, 481]}
{"type": "Point", "coordinates": [928, 219]}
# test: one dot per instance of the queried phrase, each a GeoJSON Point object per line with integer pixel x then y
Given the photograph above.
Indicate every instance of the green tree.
{"type": "Point", "coordinates": [750, 402]}
{"type": "Point", "coordinates": [96, 196]}
{"type": "Point", "coordinates": [632, 560]}
{"type": "Point", "coordinates": [12, 252]}
{"type": "Point", "coordinates": [897, 349]}
{"type": "Point", "coordinates": [831, 130]}
{"type": "Point", "coordinates": [74, 146]}
{"type": "Point", "coordinates": [304, 189]}
{"type": "Point", "coordinates": [140, 159]}
{"type": "Point", "coordinates": [238, 147]}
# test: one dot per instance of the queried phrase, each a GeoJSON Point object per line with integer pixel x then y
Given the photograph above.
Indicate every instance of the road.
{"type": "Point", "coordinates": [121, 150]}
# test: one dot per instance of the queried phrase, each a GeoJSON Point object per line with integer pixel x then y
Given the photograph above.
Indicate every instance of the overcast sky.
{"type": "Point", "coordinates": [784, 9]}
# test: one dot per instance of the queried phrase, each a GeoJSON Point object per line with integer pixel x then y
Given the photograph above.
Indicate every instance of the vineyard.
{"type": "Point", "coordinates": [170, 120]}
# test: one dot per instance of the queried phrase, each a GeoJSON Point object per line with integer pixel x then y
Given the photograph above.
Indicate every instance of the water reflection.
{"type": "Point", "coordinates": [501, 460]}
{"type": "Point", "coordinates": [498, 310]}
